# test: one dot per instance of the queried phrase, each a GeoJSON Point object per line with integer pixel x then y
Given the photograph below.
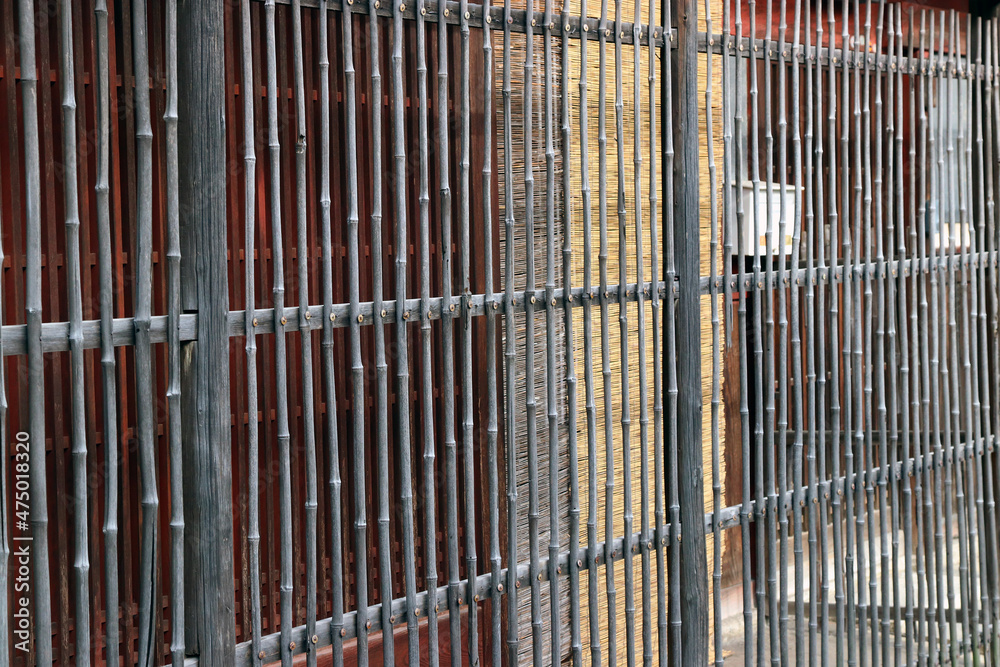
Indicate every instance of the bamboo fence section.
{"type": "Point", "coordinates": [428, 243]}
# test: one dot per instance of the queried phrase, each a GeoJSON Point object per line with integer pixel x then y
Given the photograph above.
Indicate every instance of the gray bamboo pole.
{"type": "Point", "coordinates": [468, 412]}
{"type": "Point", "coordinates": [758, 352]}
{"type": "Point", "coordinates": [510, 353]}
{"type": "Point", "coordinates": [329, 377]}
{"type": "Point", "coordinates": [836, 224]}
{"type": "Point", "coordinates": [877, 410]}
{"type": "Point", "coordinates": [955, 456]}
{"type": "Point", "coordinates": [575, 563]}
{"type": "Point", "coordinates": [170, 118]}
{"type": "Point", "coordinates": [302, 262]}
{"type": "Point", "coordinates": [626, 408]}
{"type": "Point", "coordinates": [641, 293]}
{"type": "Point", "coordinates": [985, 276]}
{"type": "Point", "coordinates": [798, 501]}
{"type": "Point", "coordinates": [551, 408]}
{"type": "Point", "coordinates": [776, 623]}
{"type": "Point", "coordinates": [991, 386]}
{"type": "Point", "coordinates": [108, 371]}
{"type": "Point", "coordinates": [280, 343]}
{"type": "Point", "coordinates": [935, 361]}
{"type": "Point", "coordinates": [78, 416]}
{"type": "Point", "coordinates": [904, 494]}
{"type": "Point", "coordinates": [778, 247]}
{"type": "Point", "coordinates": [743, 294]}
{"type": "Point", "coordinates": [978, 604]}
{"type": "Point", "coordinates": [609, 475]}
{"type": "Point", "coordinates": [944, 323]}
{"type": "Point", "coordinates": [659, 515]}
{"type": "Point", "coordinates": [381, 366]}
{"type": "Point", "coordinates": [496, 581]}
{"type": "Point", "coordinates": [357, 363]}
{"type": "Point", "coordinates": [813, 187]}
{"type": "Point", "coordinates": [912, 351]}
{"type": "Point", "coordinates": [593, 610]}
{"type": "Point", "coordinates": [427, 379]}
{"type": "Point", "coordinates": [402, 343]}
{"type": "Point", "coordinates": [669, 368]}
{"type": "Point", "coordinates": [927, 150]}
{"type": "Point", "coordinates": [817, 422]}
{"type": "Point", "coordinates": [447, 343]}
{"type": "Point", "coordinates": [849, 384]}
{"type": "Point", "coordinates": [863, 363]}
{"type": "Point", "coordinates": [249, 218]}
{"type": "Point", "coordinates": [145, 417]}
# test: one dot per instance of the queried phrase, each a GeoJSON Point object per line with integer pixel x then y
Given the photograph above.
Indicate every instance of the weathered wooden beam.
{"type": "Point", "coordinates": [686, 241]}
{"type": "Point", "coordinates": [208, 577]}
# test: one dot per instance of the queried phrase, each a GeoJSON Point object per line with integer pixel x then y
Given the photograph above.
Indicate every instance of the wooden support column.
{"type": "Point", "coordinates": [687, 238]}
{"type": "Point", "coordinates": [210, 629]}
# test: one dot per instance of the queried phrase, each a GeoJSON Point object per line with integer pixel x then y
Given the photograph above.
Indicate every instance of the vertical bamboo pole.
{"type": "Point", "coordinates": [447, 341]}
{"type": "Point", "coordinates": [986, 275]}
{"type": "Point", "coordinates": [510, 354]}
{"type": "Point", "coordinates": [331, 430]}
{"type": "Point", "coordinates": [145, 418]}
{"type": "Point", "coordinates": [426, 359]}
{"type": "Point", "coordinates": [551, 409]}
{"type": "Point", "coordinates": [78, 416]}
{"type": "Point", "coordinates": [280, 342]}
{"type": "Point", "coordinates": [738, 105]}
{"type": "Point", "coordinates": [33, 305]}
{"type": "Point", "coordinates": [659, 514]}
{"type": "Point", "coordinates": [302, 262]}
{"type": "Point", "coordinates": [798, 497]}
{"type": "Point", "coordinates": [492, 303]}
{"type": "Point", "coordinates": [609, 473]}
{"type": "Point", "coordinates": [374, 54]}
{"type": "Point", "coordinates": [626, 409]}
{"type": "Point", "coordinates": [402, 344]}
{"type": "Point", "coordinates": [593, 611]}
{"type": "Point", "coordinates": [170, 118]}
{"type": "Point", "coordinates": [249, 277]}
{"type": "Point", "coordinates": [576, 648]}
{"type": "Point", "coordinates": [108, 372]}
{"type": "Point", "coordinates": [836, 225]}
{"type": "Point", "coordinates": [357, 364]}
{"type": "Point", "coordinates": [468, 411]}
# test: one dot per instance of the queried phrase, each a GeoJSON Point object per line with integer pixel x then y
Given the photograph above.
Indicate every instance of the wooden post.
{"type": "Point", "coordinates": [208, 550]}
{"type": "Point", "coordinates": [686, 138]}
